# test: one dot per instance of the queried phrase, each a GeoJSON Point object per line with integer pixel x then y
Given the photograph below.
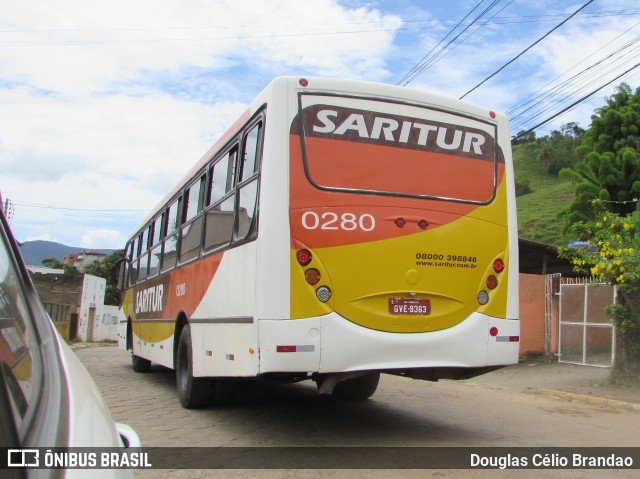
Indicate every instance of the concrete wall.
{"type": "Point", "coordinates": [106, 328]}
{"type": "Point", "coordinates": [60, 295]}
{"type": "Point", "coordinates": [91, 306]}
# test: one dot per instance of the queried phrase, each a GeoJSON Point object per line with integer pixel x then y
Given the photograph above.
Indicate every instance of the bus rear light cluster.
{"type": "Point", "coordinates": [483, 297]}
{"type": "Point", "coordinates": [492, 281]}
{"type": "Point", "coordinates": [401, 222]}
{"type": "Point", "coordinates": [312, 276]}
{"type": "Point", "coordinates": [323, 294]}
{"type": "Point", "coordinates": [304, 257]}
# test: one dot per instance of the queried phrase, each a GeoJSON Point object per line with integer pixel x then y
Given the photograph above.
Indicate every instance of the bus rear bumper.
{"type": "Point", "coordinates": [331, 344]}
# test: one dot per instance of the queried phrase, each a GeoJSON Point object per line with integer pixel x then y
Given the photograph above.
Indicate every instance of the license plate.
{"type": "Point", "coordinates": [409, 306]}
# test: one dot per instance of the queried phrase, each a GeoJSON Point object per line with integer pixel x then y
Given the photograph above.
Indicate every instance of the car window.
{"type": "Point", "coordinates": [19, 354]}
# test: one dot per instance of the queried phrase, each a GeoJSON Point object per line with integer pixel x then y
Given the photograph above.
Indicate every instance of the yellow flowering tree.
{"type": "Point", "coordinates": [612, 255]}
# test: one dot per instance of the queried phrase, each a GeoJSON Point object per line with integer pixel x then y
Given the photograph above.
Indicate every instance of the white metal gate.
{"type": "Point", "coordinates": [586, 335]}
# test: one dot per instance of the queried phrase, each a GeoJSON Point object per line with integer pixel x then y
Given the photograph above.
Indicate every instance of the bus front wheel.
{"type": "Point", "coordinates": [193, 392]}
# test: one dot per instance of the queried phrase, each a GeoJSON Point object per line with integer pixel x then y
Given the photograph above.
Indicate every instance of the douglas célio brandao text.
{"type": "Point", "coordinates": [550, 460]}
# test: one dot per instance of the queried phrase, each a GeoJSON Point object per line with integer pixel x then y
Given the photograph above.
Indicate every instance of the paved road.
{"type": "Point", "coordinates": [403, 413]}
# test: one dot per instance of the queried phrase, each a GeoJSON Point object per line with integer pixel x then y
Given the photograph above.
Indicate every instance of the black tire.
{"type": "Point", "coordinates": [359, 388]}
{"type": "Point", "coordinates": [223, 391]}
{"type": "Point", "coordinates": [140, 365]}
{"type": "Point", "coordinates": [193, 392]}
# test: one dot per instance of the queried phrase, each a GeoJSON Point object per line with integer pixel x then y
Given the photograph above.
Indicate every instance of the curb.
{"type": "Point", "coordinates": [594, 400]}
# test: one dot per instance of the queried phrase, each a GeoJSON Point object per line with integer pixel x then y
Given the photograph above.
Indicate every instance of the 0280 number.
{"type": "Point", "coordinates": [332, 221]}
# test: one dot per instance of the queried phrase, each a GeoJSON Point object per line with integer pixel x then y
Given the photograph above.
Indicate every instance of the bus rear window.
{"type": "Point", "coordinates": [379, 147]}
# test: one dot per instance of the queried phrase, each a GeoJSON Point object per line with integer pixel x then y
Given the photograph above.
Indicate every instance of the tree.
{"type": "Point", "coordinates": [107, 269]}
{"type": "Point", "coordinates": [616, 260]}
{"type": "Point", "coordinates": [524, 137]}
{"type": "Point", "coordinates": [54, 263]}
{"type": "Point", "coordinates": [610, 169]}
{"type": "Point", "coordinates": [558, 149]}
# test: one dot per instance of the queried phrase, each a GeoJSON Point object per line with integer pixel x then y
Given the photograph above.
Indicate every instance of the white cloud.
{"type": "Point", "coordinates": [42, 237]}
{"type": "Point", "coordinates": [94, 46]}
{"type": "Point", "coordinates": [102, 238]}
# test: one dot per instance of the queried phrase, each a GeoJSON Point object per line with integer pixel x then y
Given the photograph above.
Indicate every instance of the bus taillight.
{"type": "Point", "coordinates": [312, 276]}
{"type": "Point", "coordinates": [492, 282]}
{"type": "Point", "coordinates": [304, 257]}
{"type": "Point", "coordinates": [498, 266]}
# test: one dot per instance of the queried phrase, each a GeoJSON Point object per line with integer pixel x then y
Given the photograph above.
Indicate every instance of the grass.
{"type": "Point", "coordinates": [537, 358]}
{"type": "Point", "coordinates": [538, 211]}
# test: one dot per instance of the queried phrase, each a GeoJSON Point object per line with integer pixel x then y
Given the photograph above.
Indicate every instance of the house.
{"type": "Point", "coordinates": [84, 259]}
{"type": "Point", "coordinates": [75, 303]}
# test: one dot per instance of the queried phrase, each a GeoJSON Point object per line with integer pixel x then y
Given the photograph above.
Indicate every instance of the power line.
{"type": "Point", "coordinates": [513, 19]}
{"type": "Point", "coordinates": [528, 48]}
{"type": "Point", "coordinates": [535, 97]}
{"type": "Point", "coordinates": [443, 52]}
{"type": "Point", "coordinates": [537, 105]}
{"type": "Point", "coordinates": [426, 61]}
{"type": "Point", "coordinates": [577, 102]}
{"type": "Point", "coordinates": [414, 68]}
{"type": "Point", "coordinates": [93, 210]}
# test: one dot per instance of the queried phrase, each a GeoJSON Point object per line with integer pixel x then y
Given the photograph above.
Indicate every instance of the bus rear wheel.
{"type": "Point", "coordinates": [193, 392]}
{"type": "Point", "coordinates": [140, 365]}
{"type": "Point", "coordinates": [359, 388]}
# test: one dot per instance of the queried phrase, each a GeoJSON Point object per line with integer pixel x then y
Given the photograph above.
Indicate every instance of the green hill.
{"type": "Point", "coordinates": [538, 211]}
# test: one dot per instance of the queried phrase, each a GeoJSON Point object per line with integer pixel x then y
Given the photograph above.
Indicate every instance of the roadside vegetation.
{"type": "Point", "coordinates": [605, 213]}
{"type": "Point", "coordinates": [541, 197]}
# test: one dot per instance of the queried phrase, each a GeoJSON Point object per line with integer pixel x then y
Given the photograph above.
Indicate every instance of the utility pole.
{"type": "Point", "coordinates": [8, 209]}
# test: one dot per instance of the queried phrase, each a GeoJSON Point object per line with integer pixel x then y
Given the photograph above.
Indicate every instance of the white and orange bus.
{"type": "Point", "coordinates": [339, 230]}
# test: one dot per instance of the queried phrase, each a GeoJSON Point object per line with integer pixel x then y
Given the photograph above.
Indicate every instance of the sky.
{"type": "Point", "coordinates": [105, 105]}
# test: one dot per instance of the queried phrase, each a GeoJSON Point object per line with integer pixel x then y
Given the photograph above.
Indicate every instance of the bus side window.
{"type": "Point", "coordinates": [247, 208]}
{"type": "Point", "coordinates": [192, 229]}
{"type": "Point", "coordinates": [135, 254]}
{"type": "Point", "coordinates": [156, 247]}
{"type": "Point", "coordinates": [220, 178]}
{"type": "Point", "coordinates": [220, 214]}
{"type": "Point", "coordinates": [250, 153]}
{"type": "Point", "coordinates": [219, 224]}
{"type": "Point", "coordinates": [170, 244]}
{"type": "Point", "coordinates": [233, 165]}
{"type": "Point", "coordinates": [248, 189]}
{"type": "Point", "coordinates": [132, 269]}
{"type": "Point", "coordinates": [143, 261]}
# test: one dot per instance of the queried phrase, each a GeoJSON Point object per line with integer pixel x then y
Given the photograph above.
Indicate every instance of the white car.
{"type": "Point", "coordinates": [47, 397]}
